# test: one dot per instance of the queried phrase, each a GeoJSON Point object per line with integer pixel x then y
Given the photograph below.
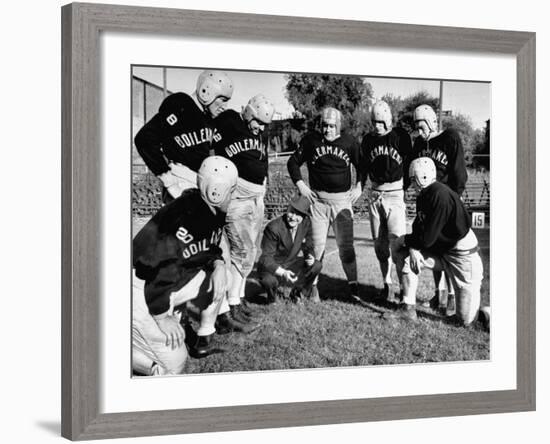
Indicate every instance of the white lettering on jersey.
{"type": "Point", "coordinates": [329, 150]}
{"type": "Point", "coordinates": [245, 145]}
{"type": "Point", "coordinates": [388, 151]}
{"type": "Point", "coordinates": [186, 140]}
{"type": "Point", "coordinates": [436, 155]}
{"type": "Point", "coordinates": [183, 235]}
{"type": "Point", "coordinates": [217, 136]}
{"type": "Point", "coordinates": [172, 119]}
{"type": "Point", "coordinates": [199, 246]}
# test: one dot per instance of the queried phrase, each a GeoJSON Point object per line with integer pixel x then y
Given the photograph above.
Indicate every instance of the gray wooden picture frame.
{"type": "Point", "coordinates": [81, 254]}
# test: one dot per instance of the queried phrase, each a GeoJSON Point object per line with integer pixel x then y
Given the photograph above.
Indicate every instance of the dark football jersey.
{"type": "Point", "coordinates": [235, 142]}
{"type": "Point", "coordinates": [384, 158]}
{"type": "Point", "coordinates": [328, 163]}
{"type": "Point", "coordinates": [448, 155]}
{"type": "Point", "coordinates": [441, 220]}
{"type": "Point", "coordinates": [180, 132]}
{"type": "Point", "coordinates": [181, 239]}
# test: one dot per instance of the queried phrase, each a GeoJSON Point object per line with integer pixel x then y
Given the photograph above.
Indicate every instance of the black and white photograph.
{"type": "Point", "coordinates": [285, 221]}
{"type": "Point", "coordinates": [275, 222]}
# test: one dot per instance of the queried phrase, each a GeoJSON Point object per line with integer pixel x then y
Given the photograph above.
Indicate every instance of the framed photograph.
{"type": "Point", "coordinates": [130, 74]}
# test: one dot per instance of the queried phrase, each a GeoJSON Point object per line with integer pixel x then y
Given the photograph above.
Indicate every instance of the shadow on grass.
{"type": "Point", "coordinates": [334, 289]}
{"type": "Point", "coordinates": [330, 289]}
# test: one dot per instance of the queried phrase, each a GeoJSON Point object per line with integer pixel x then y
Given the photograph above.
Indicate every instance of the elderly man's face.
{"type": "Point", "coordinates": [293, 218]}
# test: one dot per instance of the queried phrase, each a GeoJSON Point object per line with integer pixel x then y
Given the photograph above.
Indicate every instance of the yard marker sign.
{"type": "Point", "coordinates": [478, 220]}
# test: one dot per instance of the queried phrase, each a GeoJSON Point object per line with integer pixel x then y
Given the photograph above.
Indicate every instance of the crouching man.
{"type": "Point", "coordinates": [442, 240]}
{"type": "Point", "coordinates": [177, 258]}
{"type": "Point", "coordinates": [287, 264]}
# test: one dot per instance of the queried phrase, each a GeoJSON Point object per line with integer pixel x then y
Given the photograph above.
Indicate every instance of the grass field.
{"type": "Point", "coordinates": [336, 332]}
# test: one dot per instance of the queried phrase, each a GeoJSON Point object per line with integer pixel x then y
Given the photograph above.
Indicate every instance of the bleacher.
{"type": "Point", "coordinates": [146, 197]}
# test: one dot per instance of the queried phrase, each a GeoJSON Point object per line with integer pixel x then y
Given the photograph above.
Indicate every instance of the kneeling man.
{"type": "Point", "coordinates": [442, 240]}
{"type": "Point", "coordinates": [177, 258]}
{"type": "Point", "coordinates": [287, 259]}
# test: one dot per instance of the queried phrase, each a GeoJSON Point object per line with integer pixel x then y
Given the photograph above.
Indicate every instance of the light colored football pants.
{"type": "Point", "coordinates": [387, 215]}
{"type": "Point", "coordinates": [150, 355]}
{"type": "Point", "coordinates": [243, 229]}
{"type": "Point", "coordinates": [334, 209]}
{"type": "Point", "coordinates": [464, 268]}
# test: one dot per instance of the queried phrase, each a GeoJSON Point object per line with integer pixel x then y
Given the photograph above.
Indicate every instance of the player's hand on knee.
{"type": "Point", "coordinates": [170, 326]}
{"type": "Point", "coordinates": [218, 281]}
{"type": "Point", "coordinates": [305, 191]}
{"type": "Point", "coordinates": [416, 260]}
{"type": "Point", "coordinates": [309, 260]}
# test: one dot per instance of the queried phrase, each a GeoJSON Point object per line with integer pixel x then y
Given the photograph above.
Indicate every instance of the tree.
{"type": "Point", "coordinates": [463, 125]}
{"type": "Point", "coordinates": [409, 104]}
{"type": "Point", "coordinates": [482, 147]}
{"type": "Point", "coordinates": [396, 104]}
{"type": "Point", "coordinates": [310, 93]}
{"type": "Point", "coordinates": [459, 122]}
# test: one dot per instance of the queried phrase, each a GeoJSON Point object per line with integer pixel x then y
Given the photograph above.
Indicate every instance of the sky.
{"type": "Point", "coordinates": [470, 98]}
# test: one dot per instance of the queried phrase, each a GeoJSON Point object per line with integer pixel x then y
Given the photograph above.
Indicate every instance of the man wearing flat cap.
{"type": "Point", "coordinates": [287, 264]}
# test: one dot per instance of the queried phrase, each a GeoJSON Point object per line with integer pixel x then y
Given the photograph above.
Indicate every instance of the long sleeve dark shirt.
{"type": "Point", "coordinates": [441, 220]}
{"type": "Point", "coordinates": [384, 159]}
{"type": "Point", "coordinates": [180, 240]}
{"type": "Point", "coordinates": [448, 155]}
{"type": "Point", "coordinates": [328, 163]}
{"type": "Point", "coordinates": [180, 132]}
{"type": "Point", "coordinates": [234, 141]}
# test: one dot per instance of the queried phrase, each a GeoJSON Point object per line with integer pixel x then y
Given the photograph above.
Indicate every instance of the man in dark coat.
{"type": "Point", "coordinates": [287, 263]}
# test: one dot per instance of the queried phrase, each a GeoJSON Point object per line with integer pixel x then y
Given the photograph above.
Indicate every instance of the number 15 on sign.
{"type": "Point", "coordinates": [478, 220]}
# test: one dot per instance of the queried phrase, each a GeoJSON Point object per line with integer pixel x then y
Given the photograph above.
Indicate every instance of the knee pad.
{"type": "Point", "coordinates": [238, 252]}
{"type": "Point", "coordinates": [382, 249]}
{"type": "Point", "coordinates": [247, 269]}
{"type": "Point", "coordinates": [347, 255]}
{"type": "Point", "coordinates": [239, 260]}
{"type": "Point", "coordinates": [343, 226]}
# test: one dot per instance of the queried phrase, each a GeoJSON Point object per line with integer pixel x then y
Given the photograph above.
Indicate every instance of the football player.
{"type": "Point", "coordinates": [239, 138]}
{"type": "Point", "coordinates": [444, 147]}
{"type": "Point", "coordinates": [441, 239]}
{"type": "Point", "coordinates": [329, 156]}
{"type": "Point", "coordinates": [177, 139]}
{"type": "Point", "coordinates": [177, 258]}
{"type": "Point", "coordinates": [174, 143]}
{"type": "Point", "coordinates": [384, 155]}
